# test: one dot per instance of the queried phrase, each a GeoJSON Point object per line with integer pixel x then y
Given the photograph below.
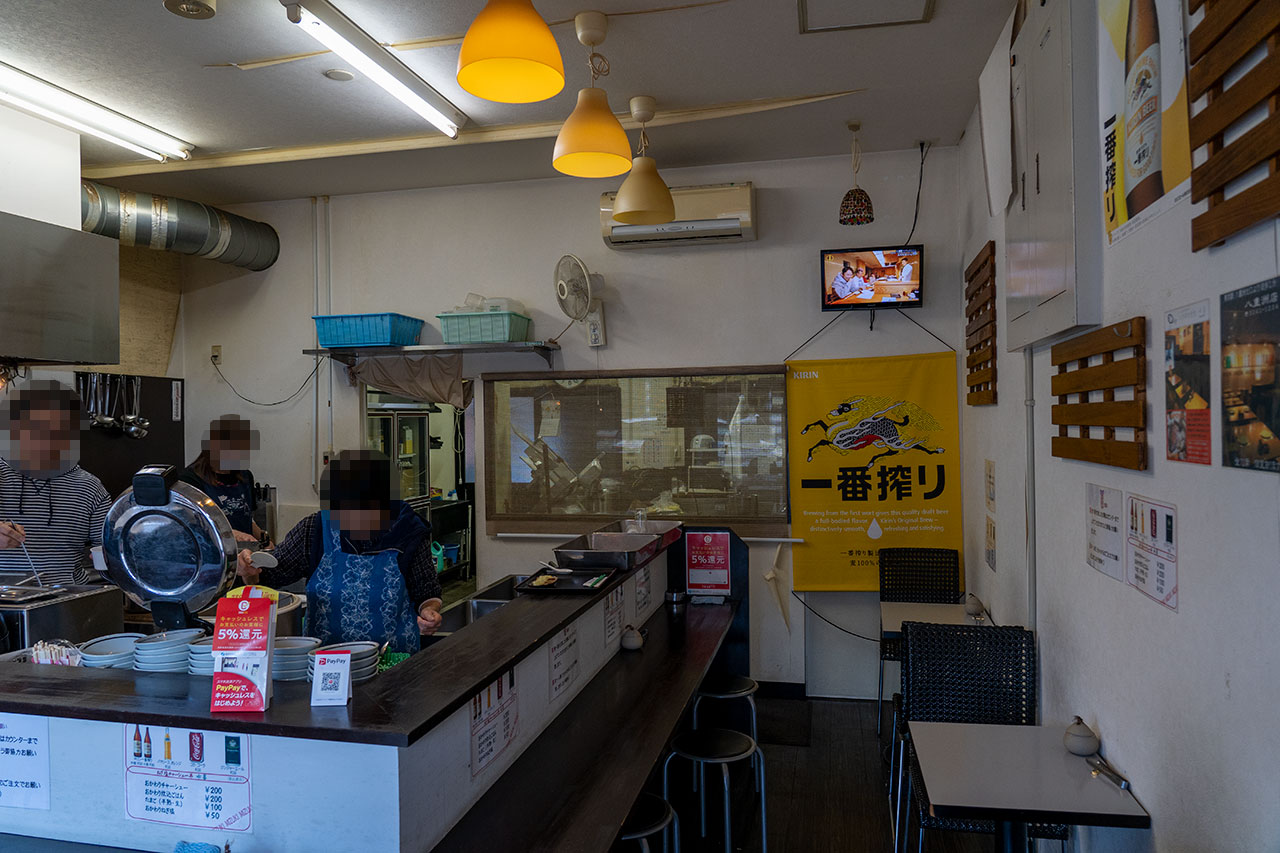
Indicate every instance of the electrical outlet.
{"type": "Point", "coordinates": [216, 355]}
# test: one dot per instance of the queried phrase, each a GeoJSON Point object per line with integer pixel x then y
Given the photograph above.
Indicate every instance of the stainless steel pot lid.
{"type": "Point", "coordinates": [183, 550]}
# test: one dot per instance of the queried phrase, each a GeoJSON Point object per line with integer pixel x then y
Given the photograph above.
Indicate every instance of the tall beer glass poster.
{"type": "Point", "coordinates": [1186, 384]}
{"type": "Point", "coordinates": [1250, 390]}
{"type": "Point", "coordinates": [1142, 103]}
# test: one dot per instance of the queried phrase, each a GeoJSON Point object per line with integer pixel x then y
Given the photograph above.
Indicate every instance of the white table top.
{"type": "Point", "coordinates": [894, 613]}
{"type": "Point", "coordinates": [1016, 773]}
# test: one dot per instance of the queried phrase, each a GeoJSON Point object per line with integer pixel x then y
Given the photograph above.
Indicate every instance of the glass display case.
{"type": "Point", "coordinates": [706, 446]}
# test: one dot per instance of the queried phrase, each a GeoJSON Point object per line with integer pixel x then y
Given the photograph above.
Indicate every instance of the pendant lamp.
{"type": "Point", "coordinates": [855, 208]}
{"type": "Point", "coordinates": [644, 198]}
{"type": "Point", "coordinates": [510, 56]}
{"type": "Point", "coordinates": [592, 143]}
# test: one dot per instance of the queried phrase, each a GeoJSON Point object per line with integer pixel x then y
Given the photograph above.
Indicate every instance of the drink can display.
{"type": "Point", "coordinates": [196, 743]}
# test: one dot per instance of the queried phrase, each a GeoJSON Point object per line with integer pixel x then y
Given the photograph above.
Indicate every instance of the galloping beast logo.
{"type": "Point", "coordinates": [879, 423]}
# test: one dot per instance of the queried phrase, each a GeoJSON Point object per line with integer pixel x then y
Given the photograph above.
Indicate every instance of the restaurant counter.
{"type": "Point", "coordinates": [395, 769]}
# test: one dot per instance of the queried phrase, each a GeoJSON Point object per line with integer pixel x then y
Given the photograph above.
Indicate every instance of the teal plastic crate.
{"type": "Point", "coordinates": [484, 327]}
{"type": "Point", "coordinates": [367, 330]}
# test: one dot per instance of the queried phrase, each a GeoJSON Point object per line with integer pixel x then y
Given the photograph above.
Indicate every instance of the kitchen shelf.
{"type": "Point", "coordinates": [348, 355]}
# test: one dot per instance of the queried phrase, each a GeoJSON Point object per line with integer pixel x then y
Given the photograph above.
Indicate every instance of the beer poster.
{"type": "Point", "coordinates": [1250, 388]}
{"type": "Point", "coordinates": [1142, 103]}
{"type": "Point", "coordinates": [874, 457]}
{"type": "Point", "coordinates": [1186, 384]}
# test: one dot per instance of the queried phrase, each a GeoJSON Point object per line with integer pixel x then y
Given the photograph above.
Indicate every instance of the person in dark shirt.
{"type": "Point", "coordinates": [366, 558]}
{"type": "Point", "coordinates": [222, 472]}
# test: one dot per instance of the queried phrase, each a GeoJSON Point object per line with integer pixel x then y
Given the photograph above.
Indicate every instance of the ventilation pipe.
{"type": "Point", "coordinates": [177, 225]}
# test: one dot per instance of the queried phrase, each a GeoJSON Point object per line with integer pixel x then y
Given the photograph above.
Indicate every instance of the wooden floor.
{"type": "Point", "coordinates": [824, 795]}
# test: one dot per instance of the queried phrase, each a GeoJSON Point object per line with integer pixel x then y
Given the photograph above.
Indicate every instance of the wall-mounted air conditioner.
{"type": "Point", "coordinates": [715, 213]}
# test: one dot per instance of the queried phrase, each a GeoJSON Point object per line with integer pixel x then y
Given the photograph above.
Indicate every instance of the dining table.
{"type": "Point", "coordinates": [1015, 776]}
{"type": "Point", "coordinates": [894, 613]}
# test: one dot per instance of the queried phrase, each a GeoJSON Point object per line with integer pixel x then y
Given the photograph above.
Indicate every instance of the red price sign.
{"type": "Point", "coordinates": [707, 563]}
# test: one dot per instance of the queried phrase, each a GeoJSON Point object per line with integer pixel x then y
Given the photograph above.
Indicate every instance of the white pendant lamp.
{"type": "Point", "coordinates": [644, 198]}
{"type": "Point", "coordinates": [510, 56]}
{"type": "Point", "coordinates": [592, 143]}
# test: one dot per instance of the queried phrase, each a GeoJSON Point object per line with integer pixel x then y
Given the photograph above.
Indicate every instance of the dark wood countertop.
{"type": "Point", "coordinates": [572, 788]}
{"type": "Point", "coordinates": [395, 708]}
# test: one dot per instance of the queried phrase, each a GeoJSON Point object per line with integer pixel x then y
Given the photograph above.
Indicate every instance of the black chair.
{"type": "Point", "coordinates": [962, 674]}
{"type": "Point", "coordinates": [923, 575]}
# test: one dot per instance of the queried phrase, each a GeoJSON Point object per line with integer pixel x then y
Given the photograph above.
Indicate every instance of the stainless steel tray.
{"type": "Point", "coordinates": [607, 550]}
{"type": "Point", "coordinates": [668, 532]}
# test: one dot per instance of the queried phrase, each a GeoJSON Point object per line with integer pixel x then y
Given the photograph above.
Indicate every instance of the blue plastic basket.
{"type": "Point", "coordinates": [367, 330]}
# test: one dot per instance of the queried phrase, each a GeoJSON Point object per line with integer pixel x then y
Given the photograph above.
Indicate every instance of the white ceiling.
{"type": "Point", "coordinates": [138, 58]}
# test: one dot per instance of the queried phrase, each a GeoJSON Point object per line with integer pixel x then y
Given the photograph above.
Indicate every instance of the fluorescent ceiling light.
{"type": "Point", "coordinates": [339, 34]}
{"type": "Point", "coordinates": [33, 95]}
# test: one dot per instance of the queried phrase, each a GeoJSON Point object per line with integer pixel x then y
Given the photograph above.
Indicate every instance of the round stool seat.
{"type": "Point", "coordinates": [713, 746]}
{"type": "Point", "coordinates": [727, 687]}
{"type": "Point", "coordinates": [648, 815]}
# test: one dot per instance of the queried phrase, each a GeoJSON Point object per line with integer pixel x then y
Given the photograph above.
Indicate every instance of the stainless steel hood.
{"type": "Point", "coordinates": [60, 294]}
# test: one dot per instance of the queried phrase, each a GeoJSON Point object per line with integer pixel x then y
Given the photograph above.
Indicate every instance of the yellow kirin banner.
{"type": "Point", "coordinates": [874, 453]}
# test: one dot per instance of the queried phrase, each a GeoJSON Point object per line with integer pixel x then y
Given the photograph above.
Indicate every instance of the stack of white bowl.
{"type": "Point", "coordinates": [166, 651]}
{"type": "Point", "coordinates": [114, 651]}
{"type": "Point", "coordinates": [364, 659]}
{"type": "Point", "coordinates": [289, 661]}
{"type": "Point", "coordinates": [200, 657]}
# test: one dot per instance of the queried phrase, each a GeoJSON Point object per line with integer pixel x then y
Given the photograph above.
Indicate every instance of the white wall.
{"type": "Point", "coordinates": [421, 251]}
{"type": "Point", "coordinates": [1183, 700]}
{"type": "Point", "coordinates": [40, 163]}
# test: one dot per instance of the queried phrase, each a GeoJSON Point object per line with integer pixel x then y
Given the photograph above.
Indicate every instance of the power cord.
{"type": "Point", "coordinates": [277, 402]}
{"type": "Point", "coordinates": [875, 640]}
{"type": "Point", "coordinates": [924, 153]}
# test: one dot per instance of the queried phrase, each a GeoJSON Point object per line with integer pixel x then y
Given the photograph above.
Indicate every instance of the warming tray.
{"type": "Point", "coordinates": [668, 532]}
{"type": "Point", "coordinates": [607, 550]}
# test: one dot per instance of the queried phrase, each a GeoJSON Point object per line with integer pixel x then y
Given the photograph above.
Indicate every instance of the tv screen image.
{"type": "Point", "coordinates": [872, 278]}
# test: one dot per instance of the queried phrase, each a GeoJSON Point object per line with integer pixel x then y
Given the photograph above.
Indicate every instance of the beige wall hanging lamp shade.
{"type": "Point", "coordinates": [855, 207]}
{"type": "Point", "coordinates": [644, 198]}
{"type": "Point", "coordinates": [592, 143]}
{"type": "Point", "coordinates": [510, 56]}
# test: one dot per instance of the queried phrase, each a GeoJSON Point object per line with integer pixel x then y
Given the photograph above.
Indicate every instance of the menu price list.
{"type": "Point", "coordinates": [185, 777]}
{"type": "Point", "coordinates": [495, 721]}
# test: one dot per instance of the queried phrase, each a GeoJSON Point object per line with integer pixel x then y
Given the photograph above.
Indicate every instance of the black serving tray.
{"type": "Point", "coordinates": [566, 583]}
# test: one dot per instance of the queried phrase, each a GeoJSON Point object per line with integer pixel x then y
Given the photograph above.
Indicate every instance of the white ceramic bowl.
{"type": "Point", "coordinates": [296, 645]}
{"type": "Point", "coordinates": [103, 662]}
{"type": "Point", "coordinates": [357, 649]}
{"type": "Point", "coordinates": [166, 639]}
{"type": "Point", "coordinates": [299, 676]}
{"type": "Point", "coordinates": [110, 645]}
{"type": "Point", "coordinates": [176, 654]}
{"type": "Point", "coordinates": [180, 666]}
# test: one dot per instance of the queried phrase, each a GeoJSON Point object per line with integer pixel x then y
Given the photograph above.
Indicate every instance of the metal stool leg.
{"type": "Point", "coordinates": [764, 808]}
{"type": "Point", "coordinates": [644, 845]}
{"type": "Point", "coordinates": [728, 843]}
{"type": "Point", "coordinates": [666, 795]}
{"type": "Point", "coordinates": [755, 736]}
{"type": "Point", "coordinates": [880, 697]}
{"type": "Point", "coordinates": [696, 702]}
{"type": "Point", "coordinates": [702, 795]}
{"type": "Point", "coordinates": [675, 822]}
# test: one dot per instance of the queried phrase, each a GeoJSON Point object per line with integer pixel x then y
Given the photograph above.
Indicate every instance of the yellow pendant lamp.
{"type": "Point", "coordinates": [510, 56]}
{"type": "Point", "coordinates": [644, 198]}
{"type": "Point", "coordinates": [592, 143]}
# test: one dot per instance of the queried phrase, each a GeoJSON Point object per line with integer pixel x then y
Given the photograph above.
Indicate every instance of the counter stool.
{"type": "Point", "coordinates": [650, 814]}
{"type": "Point", "coordinates": [728, 687]}
{"type": "Point", "coordinates": [723, 747]}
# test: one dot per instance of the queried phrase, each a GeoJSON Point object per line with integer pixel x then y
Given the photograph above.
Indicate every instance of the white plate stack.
{"type": "Point", "coordinates": [200, 657]}
{"type": "Point", "coordinates": [166, 651]}
{"type": "Point", "coordinates": [114, 651]}
{"type": "Point", "coordinates": [364, 659]}
{"type": "Point", "coordinates": [289, 661]}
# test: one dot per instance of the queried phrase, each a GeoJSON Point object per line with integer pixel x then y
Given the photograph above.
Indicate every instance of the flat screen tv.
{"type": "Point", "coordinates": [866, 279]}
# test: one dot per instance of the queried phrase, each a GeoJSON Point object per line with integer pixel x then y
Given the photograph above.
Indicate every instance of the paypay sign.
{"type": "Point", "coordinates": [707, 563]}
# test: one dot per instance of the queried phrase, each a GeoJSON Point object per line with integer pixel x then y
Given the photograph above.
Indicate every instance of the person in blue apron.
{"type": "Point", "coordinates": [222, 472]}
{"type": "Point", "coordinates": [366, 558]}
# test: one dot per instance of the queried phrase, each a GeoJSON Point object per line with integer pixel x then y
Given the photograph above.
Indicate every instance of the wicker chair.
{"type": "Point", "coordinates": [925, 575]}
{"type": "Point", "coordinates": [964, 674]}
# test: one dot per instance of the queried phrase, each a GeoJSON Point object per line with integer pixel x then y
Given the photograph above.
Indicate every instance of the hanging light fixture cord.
{"type": "Point", "coordinates": [644, 141]}
{"type": "Point", "coordinates": [599, 66]}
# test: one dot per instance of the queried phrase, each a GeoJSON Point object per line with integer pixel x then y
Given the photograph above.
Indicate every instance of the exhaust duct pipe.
{"type": "Point", "coordinates": [177, 225]}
